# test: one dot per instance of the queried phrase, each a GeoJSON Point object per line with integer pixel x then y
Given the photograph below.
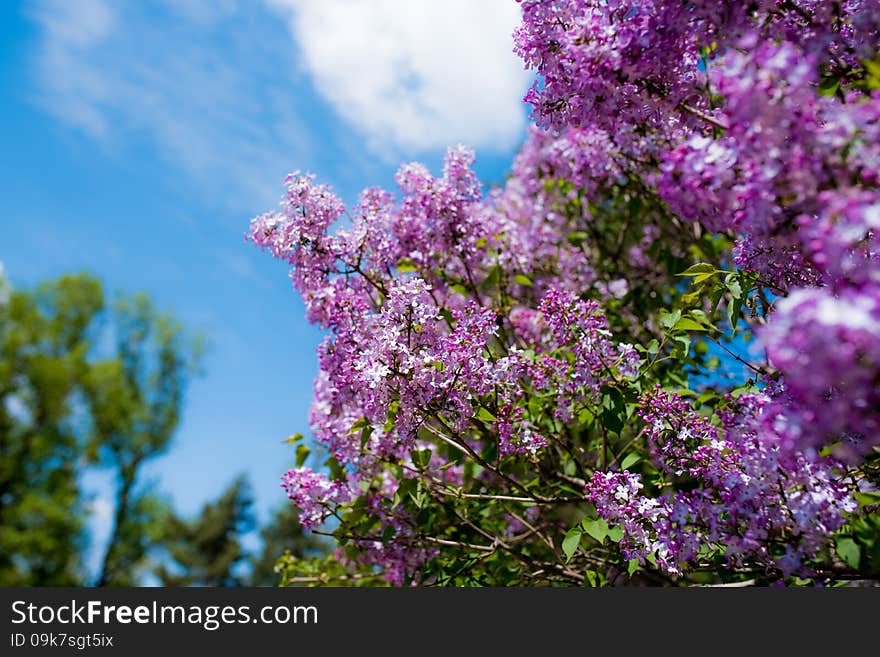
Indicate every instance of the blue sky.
{"type": "Point", "coordinates": [139, 138]}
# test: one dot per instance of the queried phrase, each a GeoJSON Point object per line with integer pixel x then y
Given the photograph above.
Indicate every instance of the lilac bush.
{"type": "Point", "coordinates": [651, 356]}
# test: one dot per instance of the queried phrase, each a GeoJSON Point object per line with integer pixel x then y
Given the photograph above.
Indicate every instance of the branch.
{"type": "Point", "coordinates": [693, 111]}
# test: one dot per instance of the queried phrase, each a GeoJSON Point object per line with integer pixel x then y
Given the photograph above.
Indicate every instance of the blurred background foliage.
{"type": "Point", "coordinates": [90, 383]}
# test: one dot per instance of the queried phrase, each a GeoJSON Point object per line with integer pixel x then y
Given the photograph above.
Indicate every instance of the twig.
{"type": "Point", "coordinates": [693, 111]}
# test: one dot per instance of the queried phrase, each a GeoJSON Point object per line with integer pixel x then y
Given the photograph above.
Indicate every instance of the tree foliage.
{"type": "Point", "coordinates": [135, 397]}
{"type": "Point", "coordinates": [68, 401]}
{"type": "Point", "coordinates": [44, 343]}
{"type": "Point", "coordinates": [207, 550]}
{"type": "Point", "coordinates": [283, 536]}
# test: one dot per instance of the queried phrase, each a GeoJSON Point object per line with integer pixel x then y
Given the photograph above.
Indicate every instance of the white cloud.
{"type": "Point", "coordinates": [220, 90]}
{"type": "Point", "coordinates": [416, 74]}
{"type": "Point", "coordinates": [72, 29]}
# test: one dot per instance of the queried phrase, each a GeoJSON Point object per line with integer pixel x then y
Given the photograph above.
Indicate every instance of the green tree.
{"type": "Point", "coordinates": [207, 550]}
{"type": "Point", "coordinates": [136, 397]}
{"type": "Point", "coordinates": [82, 387]}
{"type": "Point", "coordinates": [45, 337]}
{"type": "Point", "coordinates": [285, 536]}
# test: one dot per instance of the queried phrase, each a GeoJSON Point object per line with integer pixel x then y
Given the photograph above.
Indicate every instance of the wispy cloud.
{"type": "Point", "coordinates": [224, 91]}
{"type": "Point", "coordinates": [72, 30]}
{"type": "Point", "coordinates": [207, 84]}
{"type": "Point", "coordinates": [415, 75]}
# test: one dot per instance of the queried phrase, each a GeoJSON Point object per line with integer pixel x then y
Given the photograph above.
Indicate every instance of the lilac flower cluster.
{"type": "Point", "coordinates": [639, 65]}
{"type": "Point", "coordinates": [724, 97]}
{"type": "Point", "coordinates": [754, 501]}
{"type": "Point", "coordinates": [616, 65]}
{"type": "Point", "coordinates": [314, 494]}
{"type": "Point", "coordinates": [578, 356]}
{"type": "Point", "coordinates": [789, 164]}
{"type": "Point", "coordinates": [829, 348]}
{"type": "Point", "coordinates": [417, 347]}
{"type": "Point", "coordinates": [645, 520]}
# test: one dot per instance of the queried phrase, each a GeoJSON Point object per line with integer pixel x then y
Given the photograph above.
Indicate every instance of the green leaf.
{"type": "Point", "coordinates": [391, 416]}
{"type": "Point", "coordinates": [459, 288]}
{"type": "Point", "coordinates": [419, 499]}
{"type": "Point", "coordinates": [699, 268]}
{"type": "Point", "coordinates": [873, 67]}
{"type": "Point", "coordinates": [406, 490]}
{"type": "Point", "coordinates": [715, 297]}
{"type": "Point", "coordinates": [336, 469]}
{"type": "Point", "coordinates": [534, 406]}
{"type": "Point", "coordinates": [733, 309]}
{"type": "Point", "coordinates": [735, 289]}
{"type": "Point", "coordinates": [613, 413]}
{"type": "Point", "coordinates": [571, 541]}
{"type": "Point", "coordinates": [597, 528]}
{"type": "Point", "coordinates": [682, 343]}
{"type": "Point", "coordinates": [706, 395]}
{"type": "Point", "coordinates": [405, 264]}
{"type": "Point", "coordinates": [701, 317]}
{"type": "Point", "coordinates": [691, 298]}
{"type": "Point", "coordinates": [739, 391]}
{"type": "Point", "coordinates": [849, 551]}
{"type": "Point", "coordinates": [523, 280]}
{"type": "Point", "coordinates": [688, 324]}
{"type": "Point", "coordinates": [421, 457]}
{"type": "Point", "coordinates": [616, 534]}
{"type": "Point", "coordinates": [365, 436]}
{"type": "Point", "coordinates": [294, 439]}
{"type": "Point", "coordinates": [828, 86]}
{"type": "Point", "coordinates": [485, 415]}
{"type": "Point", "coordinates": [355, 514]}
{"type": "Point", "coordinates": [577, 238]}
{"type": "Point", "coordinates": [700, 272]}
{"type": "Point", "coordinates": [867, 497]}
{"type": "Point", "coordinates": [363, 423]}
{"type": "Point", "coordinates": [630, 460]}
{"type": "Point", "coordinates": [633, 566]}
{"type": "Point", "coordinates": [668, 319]}
{"type": "Point", "coordinates": [492, 278]}
{"type": "Point", "coordinates": [302, 453]}
{"type": "Point", "coordinates": [586, 417]}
